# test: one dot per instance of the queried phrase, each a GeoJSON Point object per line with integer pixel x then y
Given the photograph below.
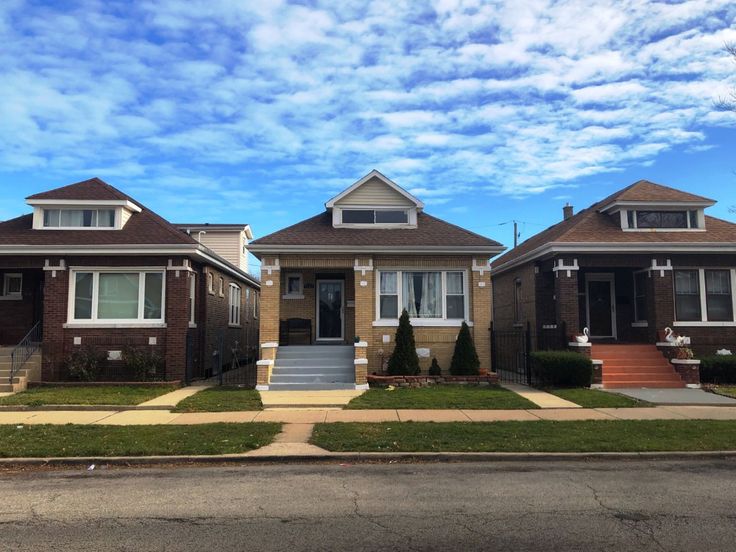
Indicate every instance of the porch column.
{"type": "Point", "coordinates": [661, 301]}
{"type": "Point", "coordinates": [365, 306]}
{"type": "Point", "coordinates": [482, 307]}
{"type": "Point", "coordinates": [55, 305]}
{"type": "Point", "coordinates": [566, 294]}
{"type": "Point", "coordinates": [269, 319]}
{"type": "Point", "coordinates": [178, 274]}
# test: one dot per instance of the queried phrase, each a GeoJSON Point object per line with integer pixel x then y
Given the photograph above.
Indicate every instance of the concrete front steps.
{"type": "Point", "coordinates": [31, 371]}
{"type": "Point", "coordinates": [626, 366]}
{"type": "Point", "coordinates": [313, 368]}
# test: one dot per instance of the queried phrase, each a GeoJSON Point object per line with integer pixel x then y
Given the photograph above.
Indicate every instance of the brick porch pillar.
{"type": "Point", "coordinates": [566, 295]}
{"type": "Point", "coordinates": [365, 300]}
{"type": "Point", "coordinates": [661, 300]}
{"type": "Point", "coordinates": [178, 275]}
{"type": "Point", "coordinates": [481, 309]}
{"type": "Point", "coordinates": [269, 319]}
{"type": "Point", "coordinates": [55, 305]}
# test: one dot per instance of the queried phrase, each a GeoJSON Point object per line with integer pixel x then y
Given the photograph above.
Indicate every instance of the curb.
{"type": "Point", "coordinates": [359, 457]}
{"type": "Point", "coordinates": [83, 408]}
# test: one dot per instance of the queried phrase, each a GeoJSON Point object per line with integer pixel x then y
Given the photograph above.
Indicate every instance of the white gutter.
{"type": "Point", "coordinates": [405, 249]}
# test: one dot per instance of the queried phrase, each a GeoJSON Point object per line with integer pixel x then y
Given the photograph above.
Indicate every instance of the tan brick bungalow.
{"type": "Point", "coordinates": [335, 284]}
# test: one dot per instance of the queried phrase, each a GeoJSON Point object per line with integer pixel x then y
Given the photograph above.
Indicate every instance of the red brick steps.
{"type": "Point", "coordinates": [635, 366]}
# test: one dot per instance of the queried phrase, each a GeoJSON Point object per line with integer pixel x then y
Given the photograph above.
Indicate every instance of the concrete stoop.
{"type": "Point", "coordinates": [313, 368]}
{"type": "Point", "coordinates": [31, 371]}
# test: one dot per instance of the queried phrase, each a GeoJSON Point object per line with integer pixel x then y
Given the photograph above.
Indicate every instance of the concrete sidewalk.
{"type": "Point", "coordinates": [157, 417]}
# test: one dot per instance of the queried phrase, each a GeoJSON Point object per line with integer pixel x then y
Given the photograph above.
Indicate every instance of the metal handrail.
{"type": "Point", "coordinates": [25, 350]}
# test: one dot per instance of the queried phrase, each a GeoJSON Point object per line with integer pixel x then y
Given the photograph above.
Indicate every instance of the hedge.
{"type": "Point", "coordinates": [718, 369]}
{"type": "Point", "coordinates": [561, 369]}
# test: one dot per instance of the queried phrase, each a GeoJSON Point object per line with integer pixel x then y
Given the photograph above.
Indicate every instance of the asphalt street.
{"type": "Point", "coordinates": [566, 506]}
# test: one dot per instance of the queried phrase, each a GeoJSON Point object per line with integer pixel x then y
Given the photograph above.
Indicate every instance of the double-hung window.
{"type": "Point", "coordinates": [235, 296]}
{"type": "Point", "coordinates": [704, 295]}
{"type": "Point", "coordinates": [439, 295]}
{"type": "Point", "coordinates": [79, 218]}
{"type": "Point", "coordinates": [192, 299]}
{"type": "Point", "coordinates": [119, 296]}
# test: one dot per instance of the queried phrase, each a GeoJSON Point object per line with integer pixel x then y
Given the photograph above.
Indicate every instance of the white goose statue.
{"type": "Point", "coordinates": [670, 337]}
{"type": "Point", "coordinates": [583, 338]}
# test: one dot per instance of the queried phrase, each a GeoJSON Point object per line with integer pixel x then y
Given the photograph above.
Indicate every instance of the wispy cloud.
{"type": "Point", "coordinates": [221, 98]}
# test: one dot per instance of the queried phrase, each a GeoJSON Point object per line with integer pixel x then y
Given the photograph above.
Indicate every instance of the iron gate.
{"type": "Point", "coordinates": [511, 349]}
{"type": "Point", "coordinates": [233, 361]}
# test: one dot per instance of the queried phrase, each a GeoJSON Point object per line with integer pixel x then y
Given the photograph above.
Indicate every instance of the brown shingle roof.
{"type": "Point", "coordinates": [430, 231]}
{"type": "Point", "coordinates": [591, 226]}
{"type": "Point", "coordinates": [144, 228]}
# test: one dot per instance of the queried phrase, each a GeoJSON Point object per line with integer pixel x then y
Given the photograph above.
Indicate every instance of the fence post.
{"type": "Point", "coordinates": [220, 343]}
{"type": "Point", "coordinates": [493, 348]}
{"type": "Point", "coordinates": [527, 350]}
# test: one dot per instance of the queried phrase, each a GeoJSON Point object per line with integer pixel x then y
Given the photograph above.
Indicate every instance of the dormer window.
{"type": "Point", "coordinates": [375, 216]}
{"type": "Point", "coordinates": [79, 218]}
{"type": "Point", "coordinates": [664, 220]}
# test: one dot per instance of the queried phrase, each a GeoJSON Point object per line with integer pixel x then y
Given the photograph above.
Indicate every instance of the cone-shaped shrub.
{"type": "Point", "coordinates": [465, 358]}
{"type": "Point", "coordinates": [434, 369]}
{"type": "Point", "coordinates": [404, 360]}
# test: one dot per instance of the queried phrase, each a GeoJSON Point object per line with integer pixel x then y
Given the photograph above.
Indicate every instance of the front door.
{"type": "Point", "coordinates": [601, 305]}
{"type": "Point", "coordinates": [330, 307]}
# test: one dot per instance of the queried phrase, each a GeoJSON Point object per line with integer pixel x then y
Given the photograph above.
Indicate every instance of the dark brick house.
{"type": "Point", "coordinates": [642, 260]}
{"type": "Point", "coordinates": [93, 267]}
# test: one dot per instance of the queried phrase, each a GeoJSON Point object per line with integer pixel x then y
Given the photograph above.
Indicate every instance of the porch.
{"type": "Point", "coordinates": [21, 302]}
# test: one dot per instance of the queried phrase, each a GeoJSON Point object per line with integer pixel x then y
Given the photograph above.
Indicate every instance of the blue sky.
{"type": "Point", "coordinates": [258, 112]}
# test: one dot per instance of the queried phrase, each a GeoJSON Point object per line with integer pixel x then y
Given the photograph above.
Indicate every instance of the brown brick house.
{"type": "Point", "coordinates": [335, 284]}
{"type": "Point", "coordinates": [643, 259]}
{"type": "Point", "coordinates": [91, 266]}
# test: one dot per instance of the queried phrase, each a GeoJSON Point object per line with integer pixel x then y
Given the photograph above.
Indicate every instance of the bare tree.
{"type": "Point", "coordinates": [729, 103]}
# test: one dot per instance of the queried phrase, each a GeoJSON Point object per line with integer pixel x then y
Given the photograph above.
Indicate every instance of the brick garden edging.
{"type": "Point", "coordinates": [426, 381]}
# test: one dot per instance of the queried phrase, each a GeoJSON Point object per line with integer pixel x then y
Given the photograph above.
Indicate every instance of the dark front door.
{"type": "Point", "coordinates": [600, 307]}
{"type": "Point", "coordinates": [330, 310]}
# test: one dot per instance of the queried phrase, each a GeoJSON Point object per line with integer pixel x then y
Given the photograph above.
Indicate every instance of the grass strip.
{"type": "Point", "coordinates": [221, 399]}
{"type": "Point", "coordinates": [142, 440]}
{"type": "Point", "coordinates": [87, 395]}
{"type": "Point", "coordinates": [470, 397]}
{"type": "Point", "coordinates": [592, 398]}
{"type": "Point", "coordinates": [540, 436]}
{"type": "Point", "coordinates": [726, 390]}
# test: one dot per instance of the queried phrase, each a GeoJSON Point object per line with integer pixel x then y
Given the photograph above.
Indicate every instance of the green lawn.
{"type": "Point", "coordinates": [593, 398]}
{"type": "Point", "coordinates": [87, 395]}
{"type": "Point", "coordinates": [541, 436]}
{"type": "Point", "coordinates": [221, 399]}
{"type": "Point", "coordinates": [471, 397]}
{"type": "Point", "coordinates": [727, 390]}
{"type": "Point", "coordinates": [89, 440]}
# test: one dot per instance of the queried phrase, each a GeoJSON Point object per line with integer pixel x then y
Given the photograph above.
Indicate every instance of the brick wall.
{"type": "Point", "coordinates": [503, 297]}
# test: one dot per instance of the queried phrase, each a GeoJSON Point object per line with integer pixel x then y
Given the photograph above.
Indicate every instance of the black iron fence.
{"type": "Point", "coordinates": [233, 362]}
{"type": "Point", "coordinates": [510, 350]}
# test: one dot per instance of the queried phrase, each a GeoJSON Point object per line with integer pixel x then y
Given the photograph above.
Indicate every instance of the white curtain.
{"type": "Point", "coordinates": [410, 300]}
{"type": "Point", "coordinates": [423, 294]}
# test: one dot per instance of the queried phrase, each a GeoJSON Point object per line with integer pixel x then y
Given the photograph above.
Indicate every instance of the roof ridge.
{"type": "Point", "coordinates": [280, 230]}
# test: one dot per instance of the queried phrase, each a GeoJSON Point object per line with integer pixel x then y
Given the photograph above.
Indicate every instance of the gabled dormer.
{"type": "Point", "coordinates": [648, 207]}
{"type": "Point", "coordinates": [374, 201]}
{"type": "Point", "coordinates": [87, 205]}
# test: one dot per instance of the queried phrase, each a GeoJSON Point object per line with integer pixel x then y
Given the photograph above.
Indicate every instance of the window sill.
{"type": "Point", "coordinates": [704, 324]}
{"type": "Point", "coordinates": [422, 323]}
{"type": "Point", "coordinates": [192, 325]}
{"type": "Point", "coordinates": [120, 325]}
{"type": "Point", "coordinates": [643, 324]}
{"type": "Point", "coordinates": [11, 297]}
{"type": "Point", "coordinates": [234, 325]}
{"type": "Point", "coordinates": [293, 296]}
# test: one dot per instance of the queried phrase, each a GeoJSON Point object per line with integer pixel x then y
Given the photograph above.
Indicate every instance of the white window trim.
{"type": "Point", "coordinates": [210, 283]}
{"type": "Point", "coordinates": [236, 305]}
{"type": "Point", "coordinates": [192, 300]}
{"type": "Point", "coordinates": [419, 322]}
{"type": "Point", "coordinates": [704, 322]}
{"type": "Point", "coordinates": [7, 296]}
{"type": "Point", "coordinates": [140, 322]}
{"type": "Point", "coordinates": [293, 295]}
{"type": "Point", "coordinates": [222, 286]}
{"type": "Point", "coordinates": [626, 228]}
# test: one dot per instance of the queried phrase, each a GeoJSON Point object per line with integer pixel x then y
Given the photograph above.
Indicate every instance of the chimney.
{"type": "Point", "coordinates": [567, 211]}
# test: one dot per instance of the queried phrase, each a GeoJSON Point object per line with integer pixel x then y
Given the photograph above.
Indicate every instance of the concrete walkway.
{"type": "Point", "coordinates": [292, 441]}
{"type": "Point", "coordinates": [308, 399]}
{"type": "Point", "coordinates": [306, 417]}
{"type": "Point", "coordinates": [175, 397]}
{"type": "Point", "coordinates": [541, 398]}
{"type": "Point", "coordinates": [677, 396]}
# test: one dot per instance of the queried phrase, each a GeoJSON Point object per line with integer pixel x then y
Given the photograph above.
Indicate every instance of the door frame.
{"type": "Point", "coordinates": [609, 277]}
{"type": "Point", "coordinates": [342, 309]}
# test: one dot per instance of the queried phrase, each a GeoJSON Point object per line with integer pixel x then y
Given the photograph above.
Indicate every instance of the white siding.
{"type": "Point", "coordinates": [226, 244]}
{"type": "Point", "coordinates": [374, 193]}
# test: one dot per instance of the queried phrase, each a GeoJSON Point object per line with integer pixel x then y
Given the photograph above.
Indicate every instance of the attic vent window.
{"type": "Point", "coordinates": [79, 218]}
{"type": "Point", "coordinates": [641, 219]}
{"type": "Point", "coordinates": [375, 216]}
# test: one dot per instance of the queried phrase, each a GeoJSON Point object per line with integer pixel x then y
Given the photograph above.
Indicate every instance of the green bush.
{"type": "Point", "coordinates": [561, 369]}
{"type": "Point", "coordinates": [85, 363]}
{"type": "Point", "coordinates": [465, 358]}
{"type": "Point", "coordinates": [404, 360]}
{"type": "Point", "coordinates": [144, 362]}
{"type": "Point", "coordinates": [434, 369]}
{"type": "Point", "coordinates": [718, 369]}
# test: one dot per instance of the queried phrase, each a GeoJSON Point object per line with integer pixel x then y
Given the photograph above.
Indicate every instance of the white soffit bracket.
{"type": "Point", "coordinates": [661, 268]}
{"type": "Point", "coordinates": [270, 268]}
{"type": "Point", "coordinates": [483, 267]}
{"type": "Point", "coordinates": [185, 267]}
{"type": "Point", "coordinates": [567, 268]}
{"type": "Point", "coordinates": [61, 267]}
{"type": "Point", "coordinates": [363, 268]}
